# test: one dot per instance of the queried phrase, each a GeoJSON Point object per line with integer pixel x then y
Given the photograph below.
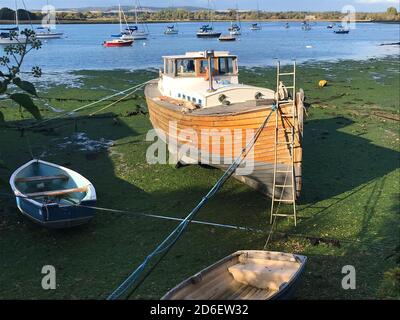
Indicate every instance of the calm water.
{"type": "Point", "coordinates": [82, 48]}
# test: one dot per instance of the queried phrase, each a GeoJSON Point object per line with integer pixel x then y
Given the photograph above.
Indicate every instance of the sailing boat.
{"type": "Point", "coordinates": [235, 28]}
{"type": "Point", "coordinates": [46, 33]}
{"type": "Point", "coordinates": [207, 30]}
{"type": "Point", "coordinates": [256, 26]}
{"type": "Point", "coordinates": [172, 29]}
{"type": "Point", "coordinates": [133, 32]}
{"type": "Point", "coordinates": [12, 35]}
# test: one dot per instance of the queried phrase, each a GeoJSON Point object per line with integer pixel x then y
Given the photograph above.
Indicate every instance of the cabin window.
{"type": "Point", "coordinates": [184, 96]}
{"type": "Point", "coordinates": [194, 100]}
{"type": "Point", "coordinates": [179, 95]}
{"type": "Point", "coordinates": [170, 67]}
{"type": "Point", "coordinates": [188, 98]}
{"type": "Point", "coordinates": [200, 101]}
{"type": "Point", "coordinates": [225, 65]}
{"type": "Point", "coordinates": [204, 66]}
{"type": "Point", "coordinates": [185, 67]}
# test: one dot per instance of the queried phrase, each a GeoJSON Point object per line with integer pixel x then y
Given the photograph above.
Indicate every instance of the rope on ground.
{"type": "Point", "coordinates": [176, 234]}
{"type": "Point", "coordinates": [113, 103]}
{"type": "Point", "coordinates": [226, 226]}
{"type": "Point", "coordinates": [40, 123]}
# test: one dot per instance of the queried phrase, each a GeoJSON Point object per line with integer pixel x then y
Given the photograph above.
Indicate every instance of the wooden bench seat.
{"type": "Point", "coordinates": [42, 178]}
{"type": "Point", "coordinates": [56, 193]}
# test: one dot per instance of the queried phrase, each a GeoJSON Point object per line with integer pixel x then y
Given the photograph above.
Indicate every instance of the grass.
{"type": "Point", "coordinates": [348, 213]}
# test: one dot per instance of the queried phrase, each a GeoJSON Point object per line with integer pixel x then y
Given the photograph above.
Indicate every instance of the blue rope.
{"type": "Point", "coordinates": [174, 236]}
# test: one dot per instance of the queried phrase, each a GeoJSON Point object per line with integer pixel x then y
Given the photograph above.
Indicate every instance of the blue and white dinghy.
{"type": "Point", "coordinates": [53, 196]}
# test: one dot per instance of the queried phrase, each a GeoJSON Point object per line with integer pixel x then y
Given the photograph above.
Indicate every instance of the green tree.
{"type": "Point", "coordinates": [391, 11]}
{"type": "Point", "coordinates": [10, 70]}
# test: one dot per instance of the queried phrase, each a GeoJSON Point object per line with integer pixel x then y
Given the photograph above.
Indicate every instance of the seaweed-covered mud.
{"type": "Point", "coordinates": [348, 212]}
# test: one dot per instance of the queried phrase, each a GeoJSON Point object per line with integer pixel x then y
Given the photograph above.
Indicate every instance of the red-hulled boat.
{"type": "Point", "coordinates": [118, 43]}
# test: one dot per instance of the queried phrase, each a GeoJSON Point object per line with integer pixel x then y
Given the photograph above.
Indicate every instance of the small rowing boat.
{"type": "Point", "coordinates": [244, 275]}
{"type": "Point", "coordinates": [53, 196]}
{"type": "Point", "coordinates": [118, 43]}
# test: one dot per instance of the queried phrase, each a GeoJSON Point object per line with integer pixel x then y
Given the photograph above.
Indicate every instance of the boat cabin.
{"type": "Point", "coordinates": [188, 78]}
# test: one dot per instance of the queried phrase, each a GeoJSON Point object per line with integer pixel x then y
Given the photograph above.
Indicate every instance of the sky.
{"type": "Point", "coordinates": [268, 5]}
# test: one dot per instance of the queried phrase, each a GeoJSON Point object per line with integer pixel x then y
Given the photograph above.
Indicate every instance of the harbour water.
{"type": "Point", "coordinates": [82, 48]}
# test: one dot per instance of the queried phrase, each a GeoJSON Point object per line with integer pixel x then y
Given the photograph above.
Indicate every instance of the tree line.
{"type": "Point", "coordinates": [183, 15]}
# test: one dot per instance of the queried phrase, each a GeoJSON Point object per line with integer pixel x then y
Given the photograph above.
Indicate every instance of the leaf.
{"type": "Point", "coordinates": [26, 102]}
{"type": "Point", "coordinates": [3, 87]}
{"type": "Point", "coordinates": [26, 86]}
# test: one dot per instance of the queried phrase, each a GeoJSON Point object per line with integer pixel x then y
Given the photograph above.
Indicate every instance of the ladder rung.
{"type": "Point", "coordinates": [281, 171]}
{"type": "Point", "coordinates": [287, 115]}
{"type": "Point", "coordinates": [287, 74]}
{"type": "Point", "coordinates": [283, 215]}
{"type": "Point", "coordinates": [284, 101]}
{"type": "Point", "coordinates": [287, 143]}
{"type": "Point", "coordinates": [289, 87]}
{"type": "Point", "coordinates": [284, 186]}
{"type": "Point", "coordinates": [282, 200]}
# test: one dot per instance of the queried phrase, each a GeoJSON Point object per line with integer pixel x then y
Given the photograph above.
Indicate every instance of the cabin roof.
{"type": "Point", "coordinates": [201, 54]}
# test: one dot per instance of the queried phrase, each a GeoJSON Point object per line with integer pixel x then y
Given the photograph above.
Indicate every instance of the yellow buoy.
{"type": "Point", "coordinates": [322, 83]}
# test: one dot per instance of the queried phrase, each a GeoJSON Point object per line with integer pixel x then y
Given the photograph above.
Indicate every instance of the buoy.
{"type": "Point", "coordinates": [322, 83]}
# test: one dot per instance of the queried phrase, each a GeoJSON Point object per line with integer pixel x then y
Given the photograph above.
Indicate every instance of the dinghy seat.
{"type": "Point", "coordinates": [42, 178]}
{"type": "Point", "coordinates": [56, 193]}
{"type": "Point", "coordinates": [268, 275]}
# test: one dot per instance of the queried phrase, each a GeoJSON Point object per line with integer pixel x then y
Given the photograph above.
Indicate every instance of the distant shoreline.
{"type": "Point", "coordinates": [38, 22]}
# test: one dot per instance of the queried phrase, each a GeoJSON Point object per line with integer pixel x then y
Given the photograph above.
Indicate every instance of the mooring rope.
{"type": "Point", "coordinates": [40, 123]}
{"type": "Point", "coordinates": [175, 235]}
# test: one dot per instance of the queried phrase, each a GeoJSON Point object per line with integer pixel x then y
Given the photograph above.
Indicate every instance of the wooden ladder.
{"type": "Point", "coordinates": [289, 134]}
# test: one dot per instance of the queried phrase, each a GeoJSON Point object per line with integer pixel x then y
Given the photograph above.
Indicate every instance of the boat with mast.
{"type": "Point", "coordinates": [135, 32]}
{"type": "Point", "coordinates": [45, 32]}
{"type": "Point", "coordinates": [131, 32]}
{"type": "Point", "coordinates": [171, 29]}
{"type": "Point", "coordinates": [12, 35]}
{"type": "Point", "coordinates": [235, 29]}
{"type": "Point", "coordinates": [207, 30]}
{"type": "Point", "coordinates": [256, 26]}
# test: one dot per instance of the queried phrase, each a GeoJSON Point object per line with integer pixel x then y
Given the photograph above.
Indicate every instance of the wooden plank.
{"type": "Point", "coordinates": [56, 193]}
{"type": "Point", "coordinates": [42, 178]}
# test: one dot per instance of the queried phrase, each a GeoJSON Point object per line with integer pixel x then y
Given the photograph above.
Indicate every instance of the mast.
{"type": "Point", "coordinates": [136, 9]}
{"type": "Point", "coordinates": [120, 17]}
{"type": "Point", "coordinates": [16, 13]}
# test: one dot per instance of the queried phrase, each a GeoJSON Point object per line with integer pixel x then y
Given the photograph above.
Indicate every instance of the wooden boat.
{"type": "Point", "coordinates": [118, 43]}
{"type": "Point", "coordinates": [182, 97]}
{"type": "Point", "coordinates": [227, 38]}
{"type": "Point", "coordinates": [244, 275]}
{"type": "Point", "coordinates": [48, 194]}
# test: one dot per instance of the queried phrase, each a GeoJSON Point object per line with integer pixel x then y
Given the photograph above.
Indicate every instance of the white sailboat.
{"type": "Point", "coordinates": [235, 29]}
{"type": "Point", "coordinates": [45, 32]}
{"type": "Point", "coordinates": [12, 35]}
{"type": "Point", "coordinates": [133, 32]}
{"type": "Point", "coordinates": [171, 29]}
{"type": "Point", "coordinates": [256, 26]}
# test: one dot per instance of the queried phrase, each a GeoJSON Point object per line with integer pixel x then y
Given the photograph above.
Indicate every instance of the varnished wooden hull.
{"type": "Point", "coordinates": [163, 113]}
